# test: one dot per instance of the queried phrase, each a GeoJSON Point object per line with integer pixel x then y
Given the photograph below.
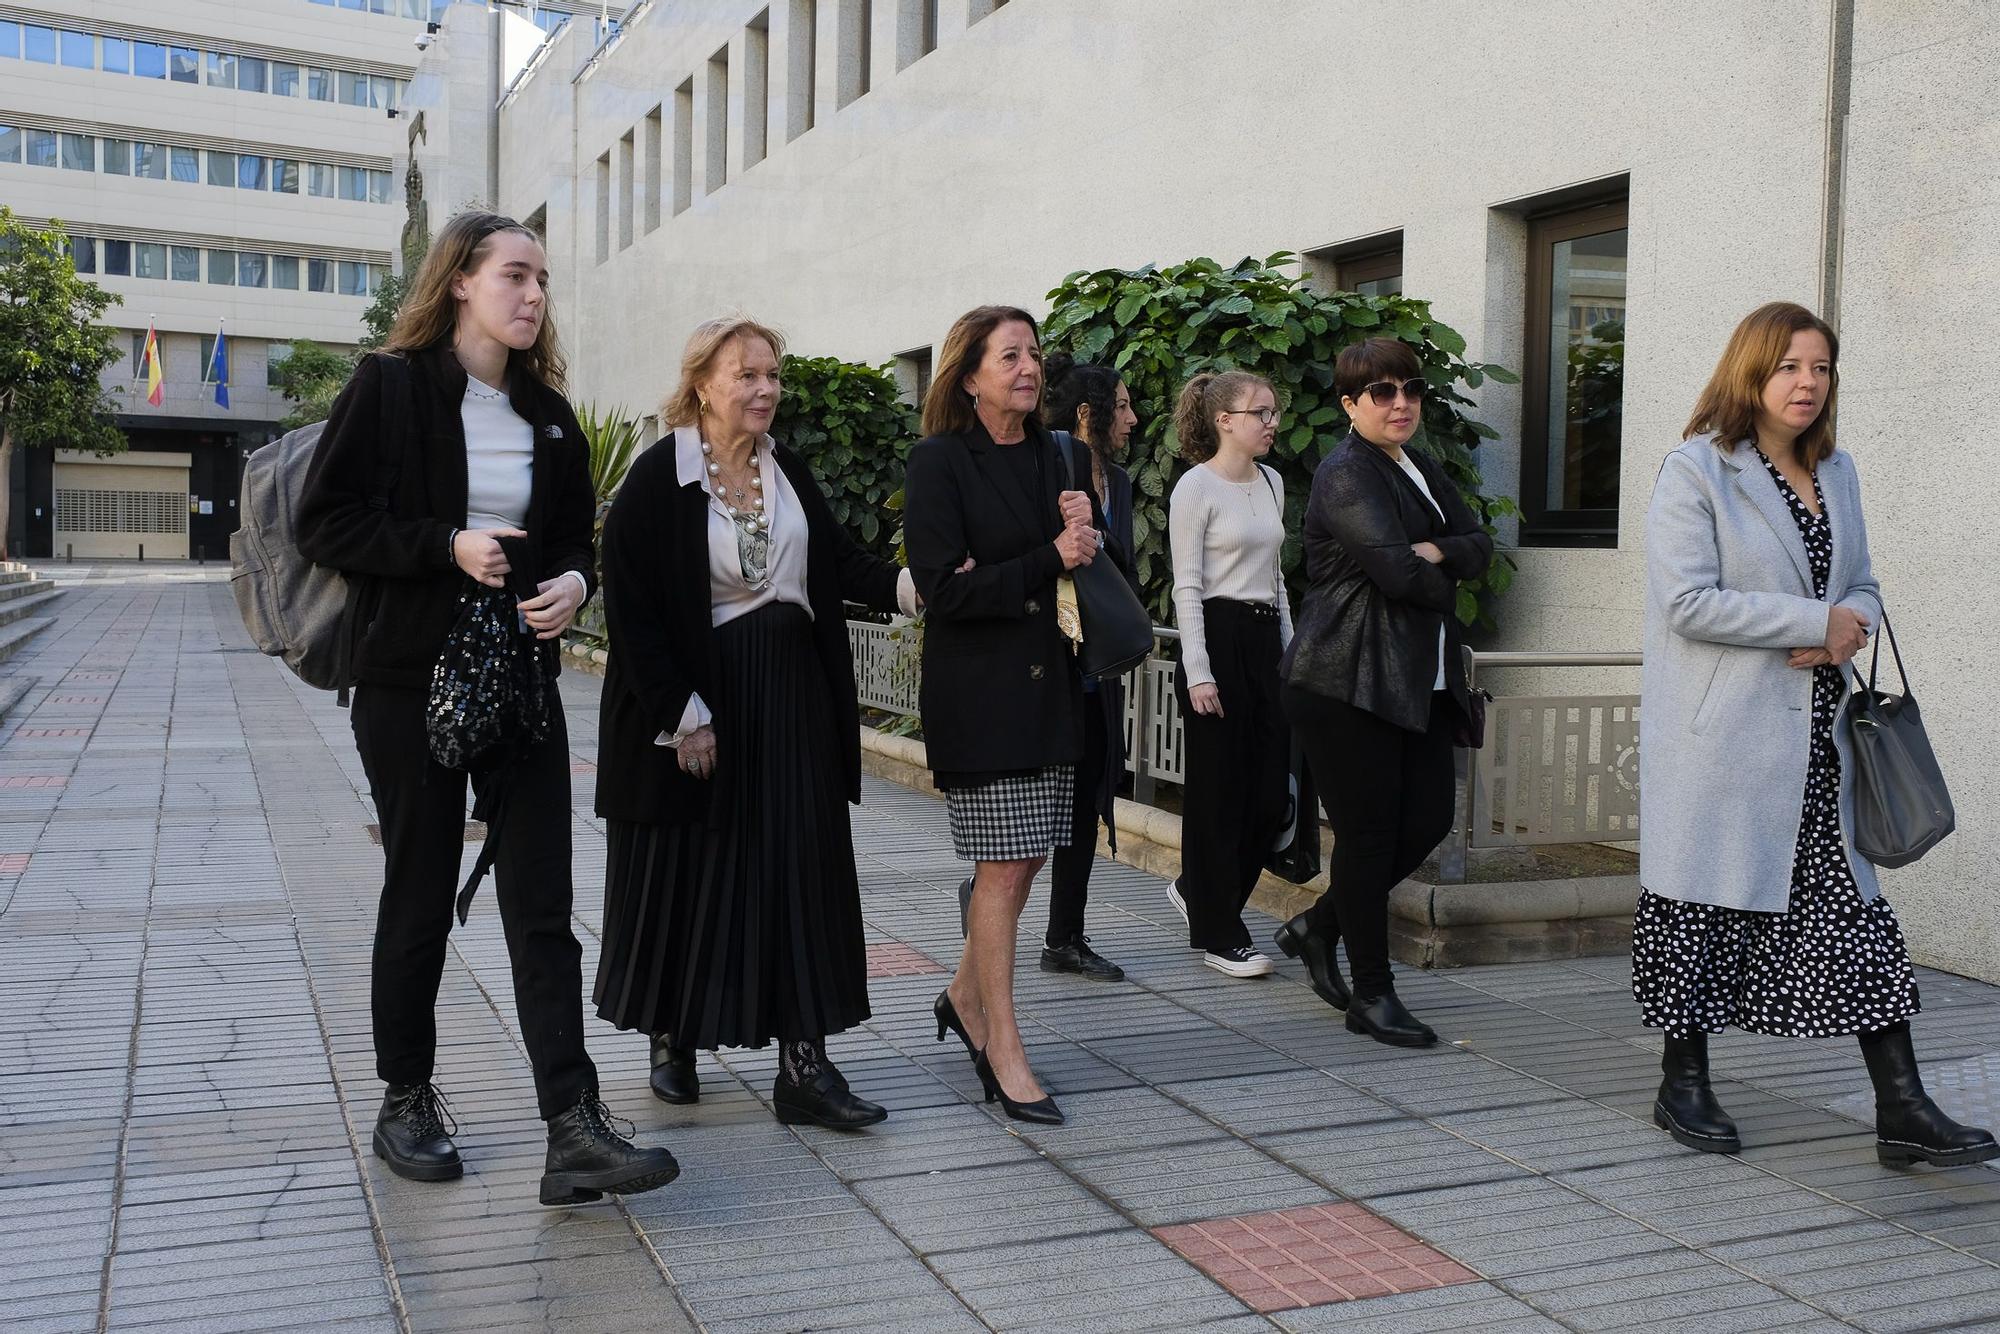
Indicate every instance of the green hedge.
{"type": "Point", "coordinates": [849, 423]}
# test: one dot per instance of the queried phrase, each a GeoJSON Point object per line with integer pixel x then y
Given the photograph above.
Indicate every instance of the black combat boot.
{"type": "Point", "coordinates": [587, 1158]}
{"type": "Point", "coordinates": [1686, 1107]}
{"type": "Point", "coordinates": [413, 1134]}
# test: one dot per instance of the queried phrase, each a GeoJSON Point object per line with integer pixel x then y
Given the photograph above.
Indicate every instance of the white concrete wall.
{"type": "Point", "coordinates": [1048, 136]}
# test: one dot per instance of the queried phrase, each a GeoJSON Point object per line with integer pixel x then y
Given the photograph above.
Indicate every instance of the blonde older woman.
{"type": "Point", "coordinates": [729, 742]}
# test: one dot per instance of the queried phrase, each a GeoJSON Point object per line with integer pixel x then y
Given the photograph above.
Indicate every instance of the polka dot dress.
{"type": "Point", "coordinates": [1827, 966]}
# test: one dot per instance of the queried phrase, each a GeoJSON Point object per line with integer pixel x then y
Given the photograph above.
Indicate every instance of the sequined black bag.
{"type": "Point", "coordinates": [488, 701]}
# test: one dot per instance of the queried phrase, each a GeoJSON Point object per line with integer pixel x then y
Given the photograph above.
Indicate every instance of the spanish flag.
{"type": "Point", "coordinates": [154, 394]}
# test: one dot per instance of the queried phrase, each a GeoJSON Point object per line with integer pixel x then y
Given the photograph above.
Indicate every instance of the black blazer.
{"type": "Point", "coordinates": [406, 611]}
{"type": "Point", "coordinates": [1000, 691]}
{"type": "Point", "coordinates": [1367, 631]}
{"type": "Point", "coordinates": [657, 605]}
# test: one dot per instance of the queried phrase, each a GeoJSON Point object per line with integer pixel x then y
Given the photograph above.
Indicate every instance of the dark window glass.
{"type": "Point", "coordinates": [319, 180]}
{"type": "Point", "coordinates": [274, 361]}
{"type": "Point", "coordinates": [353, 88]}
{"type": "Point", "coordinates": [250, 270]}
{"type": "Point", "coordinates": [186, 260]}
{"type": "Point", "coordinates": [10, 144]}
{"type": "Point", "coordinates": [41, 148]}
{"type": "Point", "coordinates": [284, 79]}
{"type": "Point", "coordinates": [378, 187]}
{"type": "Point", "coordinates": [79, 152]}
{"type": "Point", "coordinates": [79, 50]}
{"type": "Point", "coordinates": [250, 172]}
{"type": "Point", "coordinates": [39, 43]}
{"type": "Point", "coordinates": [284, 176]}
{"type": "Point", "coordinates": [221, 168]}
{"type": "Point", "coordinates": [319, 84]}
{"type": "Point", "coordinates": [10, 39]}
{"type": "Point", "coordinates": [184, 164]}
{"type": "Point", "coordinates": [1573, 409]}
{"type": "Point", "coordinates": [117, 157]}
{"type": "Point", "coordinates": [353, 183]}
{"type": "Point", "coordinates": [184, 64]}
{"type": "Point", "coordinates": [285, 272]}
{"type": "Point", "coordinates": [319, 275]}
{"type": "Point", "coordinates": [353, 278]}
{"type": "Point", "coordinates": [221, 70]}
{"type": "Point", "coordinates": [149, 60]}
{"type": "Point", "coordinates": [150, 161]}
{"type": "Point", "coordinates": [117, 55]}
{"type": "Point", "coordinates": [83, 253]}
{"type": "Point", "coordinates": [149, 260]}
{"type": "Point", "coordinates": [222, 268]}
{"type": "Point", "coordinates": [118, 258]}
{"type": "Point", "coordinates": [253, 74]}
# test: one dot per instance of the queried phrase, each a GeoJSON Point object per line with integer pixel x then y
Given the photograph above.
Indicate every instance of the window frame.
{"type": "Point", "coordinates": [1540, 525]}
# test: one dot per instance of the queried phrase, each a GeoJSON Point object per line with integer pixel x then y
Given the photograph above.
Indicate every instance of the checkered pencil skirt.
{"type": "Point", "coordinates": [1013, 819]}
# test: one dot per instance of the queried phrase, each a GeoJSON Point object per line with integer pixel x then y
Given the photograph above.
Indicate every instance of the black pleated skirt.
{"type": "Point", "coordinates": [747, 927]}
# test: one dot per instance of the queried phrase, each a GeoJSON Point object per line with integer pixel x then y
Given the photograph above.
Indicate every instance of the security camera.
{"type": "Point", "coordinates": [424, 41]}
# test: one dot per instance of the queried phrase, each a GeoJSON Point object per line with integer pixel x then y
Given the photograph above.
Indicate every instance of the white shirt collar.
{"type": "Point", "coordinates": [691, 465]}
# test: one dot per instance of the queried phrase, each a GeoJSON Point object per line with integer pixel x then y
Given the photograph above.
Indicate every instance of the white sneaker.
{"type": "Point", "coordinates": [1239, 961]}
{"type": "Point", "coordinates": [1180, 904]}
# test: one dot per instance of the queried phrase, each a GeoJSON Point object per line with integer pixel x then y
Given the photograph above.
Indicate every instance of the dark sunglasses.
{"type": "Point", "coordinates": [1384, 391]}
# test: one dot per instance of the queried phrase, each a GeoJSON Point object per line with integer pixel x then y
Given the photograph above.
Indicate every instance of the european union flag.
{"type": "Point", "coordinates": [218, 369]}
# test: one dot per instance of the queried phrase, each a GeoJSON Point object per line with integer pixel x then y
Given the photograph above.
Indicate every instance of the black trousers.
{"type": "Point", "coordinates": [1069, 868]}
{"type": "Point", "coordinates": [1236, 773]}
{"type": "Point", "coordinates": [421, 806]}
{"type": "Point", "coordinates": [1388, 795]}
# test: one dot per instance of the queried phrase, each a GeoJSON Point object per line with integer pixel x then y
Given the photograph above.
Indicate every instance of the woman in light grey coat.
{"type": "Point", "coordinates": [1756, 911]}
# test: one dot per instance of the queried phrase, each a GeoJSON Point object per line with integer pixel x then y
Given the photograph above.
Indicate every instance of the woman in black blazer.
{"type": "Point", "coordinates": [990, 529]}
{"type": "Point", "coordinates": [444, 460]}
{"type": "Point", "coordinates": [1373, 679]}
{"type": "Point", "coordinates": [729, 746]}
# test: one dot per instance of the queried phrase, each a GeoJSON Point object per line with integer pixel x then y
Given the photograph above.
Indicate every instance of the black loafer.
{"type": "Point", "coordinates": [1384, 1019]}
{"type": "Point", "coordinates": [674, 1079]}
{"type": "Point", "coordinates": [1298, 940]}
{"type": "Point", "coordinates": [1076, 956]}
{"type": "Point", "coordinates": [824, 1100]}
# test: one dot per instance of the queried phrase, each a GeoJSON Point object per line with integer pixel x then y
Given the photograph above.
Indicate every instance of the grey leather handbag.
{"type": "Point", "coordinates": [1901, 807]}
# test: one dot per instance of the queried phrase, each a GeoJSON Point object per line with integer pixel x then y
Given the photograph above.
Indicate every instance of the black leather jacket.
{"type": "Point", "coordinates": [1367, 631]}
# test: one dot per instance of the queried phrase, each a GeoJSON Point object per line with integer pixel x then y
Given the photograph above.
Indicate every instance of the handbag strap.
{"type": "Point", "coordinates": [1875, 661]}
{"type": "Point", "coordinates": [1278, 556]}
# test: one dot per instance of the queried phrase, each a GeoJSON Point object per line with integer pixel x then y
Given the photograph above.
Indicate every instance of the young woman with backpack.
{"type": "Point", "coordinates": [452, 464]}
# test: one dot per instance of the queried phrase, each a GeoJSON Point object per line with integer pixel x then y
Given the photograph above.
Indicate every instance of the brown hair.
{"type": "Point", "coordinates": [1728, 404]}
{"type": "Point", "coordinates": [429, 315]}
{"type": "Point", "coordinates": [947, 407]}
{"type": "Point", "coordinates": [704, 348]}
{"type": "Point", "coordinates": [1371, 360]}
{"type": "Point", "coordinates": [1202, 397]}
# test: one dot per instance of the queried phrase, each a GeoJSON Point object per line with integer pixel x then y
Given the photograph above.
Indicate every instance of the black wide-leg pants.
{"type": "Point", "coordinates": [1388, 794]}
{"type": "Point", "coordinates": [1235, 769]}
{"type": "Point", "coordinates": [421, 807]}
{"type": "Point", "coordinates": [1069, 868]}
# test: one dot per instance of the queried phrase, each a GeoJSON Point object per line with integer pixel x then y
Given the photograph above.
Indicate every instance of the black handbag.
{"type": "Point", "coordinates": [1294, 854]}
{"type": "Point", "coordinates": [1901, 806]}
{"type": "Point", "coordinates": [1117, 632]}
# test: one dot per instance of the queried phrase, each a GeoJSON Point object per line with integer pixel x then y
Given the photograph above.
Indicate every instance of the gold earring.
{"type": "Point", "coordinates": [703, 403]}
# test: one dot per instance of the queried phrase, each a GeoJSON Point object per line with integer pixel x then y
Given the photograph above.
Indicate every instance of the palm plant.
{"type": "Point", "coordinates": [614, 442]}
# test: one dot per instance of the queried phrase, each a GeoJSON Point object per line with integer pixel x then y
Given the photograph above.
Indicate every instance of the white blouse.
{"type": "Point", "coordinates": [730, 593]}
{"type": "Point", "coordinates": [1416, 475]}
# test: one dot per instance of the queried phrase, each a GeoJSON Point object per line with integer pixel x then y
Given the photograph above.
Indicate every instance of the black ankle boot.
{"type": "Point", "coordinates": [1299, 939]}
{"type": "Point", "coordinates": [413, 1134]}
{"type": "Point", "coordinates": [1385, 1019]}
{"type": "Point", "coordinates": [1909, 1127]}
{"type": "Point", "coordinates": [1687, 1108]}
{"type": "Point", "coordinates": [674, 1079]}
{"type": "Point", "coordinates": [587, 1158]}
{"type": "Point", "coordinates": [823, 1100]}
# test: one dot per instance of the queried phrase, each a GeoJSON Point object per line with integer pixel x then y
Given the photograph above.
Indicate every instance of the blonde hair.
{"type": "Point", "coordinates": [704, 348]}
{"type": "Point", "coordinates": [1204, 396]}
{"type": "Point", "coordinates": [429, 315]}
{"type": "Point", "coordinates": [1729, 402]}
{"type": "Point", "coordinates": [947, 407]}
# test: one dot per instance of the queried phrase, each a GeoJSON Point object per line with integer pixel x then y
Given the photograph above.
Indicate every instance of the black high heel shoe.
{"type": "Point", "coordinates": [1042, 1113]}
{"type": "Point", "coordinates": [947, 1017]}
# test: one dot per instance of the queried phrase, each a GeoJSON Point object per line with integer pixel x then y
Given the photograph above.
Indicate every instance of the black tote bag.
{"type": "Point", "coordinates": [1117, 632]}
{"type": "Point", "coordinates": [1901, 806]}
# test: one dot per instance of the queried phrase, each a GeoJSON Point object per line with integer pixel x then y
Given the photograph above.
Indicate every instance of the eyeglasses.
{"type": "Point", "coordinates": [1264, 415]}
{"type": "Point", "coordinates": [1384, 391]}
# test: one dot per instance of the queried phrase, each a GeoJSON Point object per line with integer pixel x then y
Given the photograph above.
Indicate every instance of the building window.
{"type": "Point", "coordinates": [913, 374]}
{"type": "Point", "coordinates": [222, 268]}
{"type": "Point", "coordinates": [683, 146]}
{"type": "Point", "coordinates": [354, 88]}
{"type": "Point", "coordinates": [319, 275]}
{"type": "Point", "coordinates": [149, 260]}
{"type": "Point", "coordinates": [79, 50]}
{"type": "Point", "coordinates": [38, 44]}
{"type": "Point", "coordinates": [250, 171]}
{"type": "Point", "coordinates": [801, 67]}
{"type": "Point", "coordinates": [221, 168]}
{"type": "Point", "coordinates": [756, 89]}
{"type": "Point", "coordinates": [650, 175]}
{"type": "Point", "coordinates": [118, 259]}
{"type": "Point", "coordinates": [603, 207]}
{"type": "Point", "coordinates": [184, 64]}
{"type": "Point", "coordinates": [10, 144]}
{"type": "Point", "coordinates": [250, 270]}
{"type": "Point", "coordinates": [715, 127]}
{"type": "Point", "coordinates": [40, 146]}
{"type": "Point", "coordinates": [319, 180]}
{"type": "Point", "coordinates": [186, 262]}
{"type": "Point", "coordinates": [79, 152]}
{"type": "Point", "coordinates": [83, 254]}
{"type": "Point", "coordinates": [253, 74]}
{"type": "Point", "coordinates": [221, 70]}
{"type": "Point", "coordinates": [979, 9]}
{"type": "Point", "coordinates": [353, 278]}
{"type": "Point", "coordinates": [274, 362]}
{"type": "Point", "coordinates": [1371, 266]}
{"type": "Point", "coordinates": [851, 75]}
{"type": "Point", "coordinates": [319, 85]}
{"type": "Point", "coordinates": [149, 161]}
{"type": "Point", "coordinates": [117, 157]}
{"type": "Point", "coordinates": [628, 156]}
{"type": "Point", "coordinates": [284, 176]}
{"type": "Point", "coordinates": [138, 353]}
{"type": "Point", "coordinates": [117, 55]}
{"type": "Point", "coordinates": [1573, 375]}
{"type": "Point", "coordinates": [285, 272]}
{"type": "Point", "coordinates": [284, 78]}
{"type": "Point", "coordinates": [354, 183]}
{"type": "Point", "coordinates": [149, 60]}
{"type": "Point", "coordinates": [10, 39]}
{"type": "Point", "coordinates": [916, 31]}
{"type": "Point", "coordinates": [185, 164]}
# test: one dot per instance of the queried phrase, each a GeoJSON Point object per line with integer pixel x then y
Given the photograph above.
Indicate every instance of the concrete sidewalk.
{"type": "Point", "coordinates": [187, 896]}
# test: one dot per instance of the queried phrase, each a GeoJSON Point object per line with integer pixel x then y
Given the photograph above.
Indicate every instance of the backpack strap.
{"type": "Point", "coordinates": [397, 398]}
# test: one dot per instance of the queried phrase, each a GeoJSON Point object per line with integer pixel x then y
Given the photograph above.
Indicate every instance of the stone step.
{"type": "Point", "coordinates": [14, 608]}
{"type": "Point", "coordinates": [12, 574]}
{"type": "Point", "coordinates": [13, 637]}
{"type": "Point", "coordinates": [12, 688]}
{"type": "Point", "coordinates": [21, 588]}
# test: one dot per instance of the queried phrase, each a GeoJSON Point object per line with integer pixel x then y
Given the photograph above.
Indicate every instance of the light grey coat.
{"type": "Point", "coordinates": [1724, 724]}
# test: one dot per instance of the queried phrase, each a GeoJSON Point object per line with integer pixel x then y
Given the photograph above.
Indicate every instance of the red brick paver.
{"type": "Point", "coordinates": [34, 780]}
{"type": "Point", "coordinates": [13, 863]}
{"type": "Point", "coordinates": [582, 767]}
{"type": "Point", "coordinates": [892, 958]}
{"type": "Point", "coordinates": [1312, 1256]}
{"type": "Point", "coordinates": [40, 732]}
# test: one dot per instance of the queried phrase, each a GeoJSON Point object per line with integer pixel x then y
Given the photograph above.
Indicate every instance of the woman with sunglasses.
{"type": "Point", "coordinates": [1225, 530]}
{"type": "Point", "coordinates": [1374, 681]}
{"type": "Point", "coordinates": [729, 746]}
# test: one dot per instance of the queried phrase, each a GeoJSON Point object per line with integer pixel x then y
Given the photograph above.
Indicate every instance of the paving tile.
{"type": "Point", "coordinates": [1311, 1256]}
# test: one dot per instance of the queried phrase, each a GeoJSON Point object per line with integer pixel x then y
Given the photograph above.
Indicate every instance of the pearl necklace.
{"type": "Point", "coordinates": [750, 516]}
